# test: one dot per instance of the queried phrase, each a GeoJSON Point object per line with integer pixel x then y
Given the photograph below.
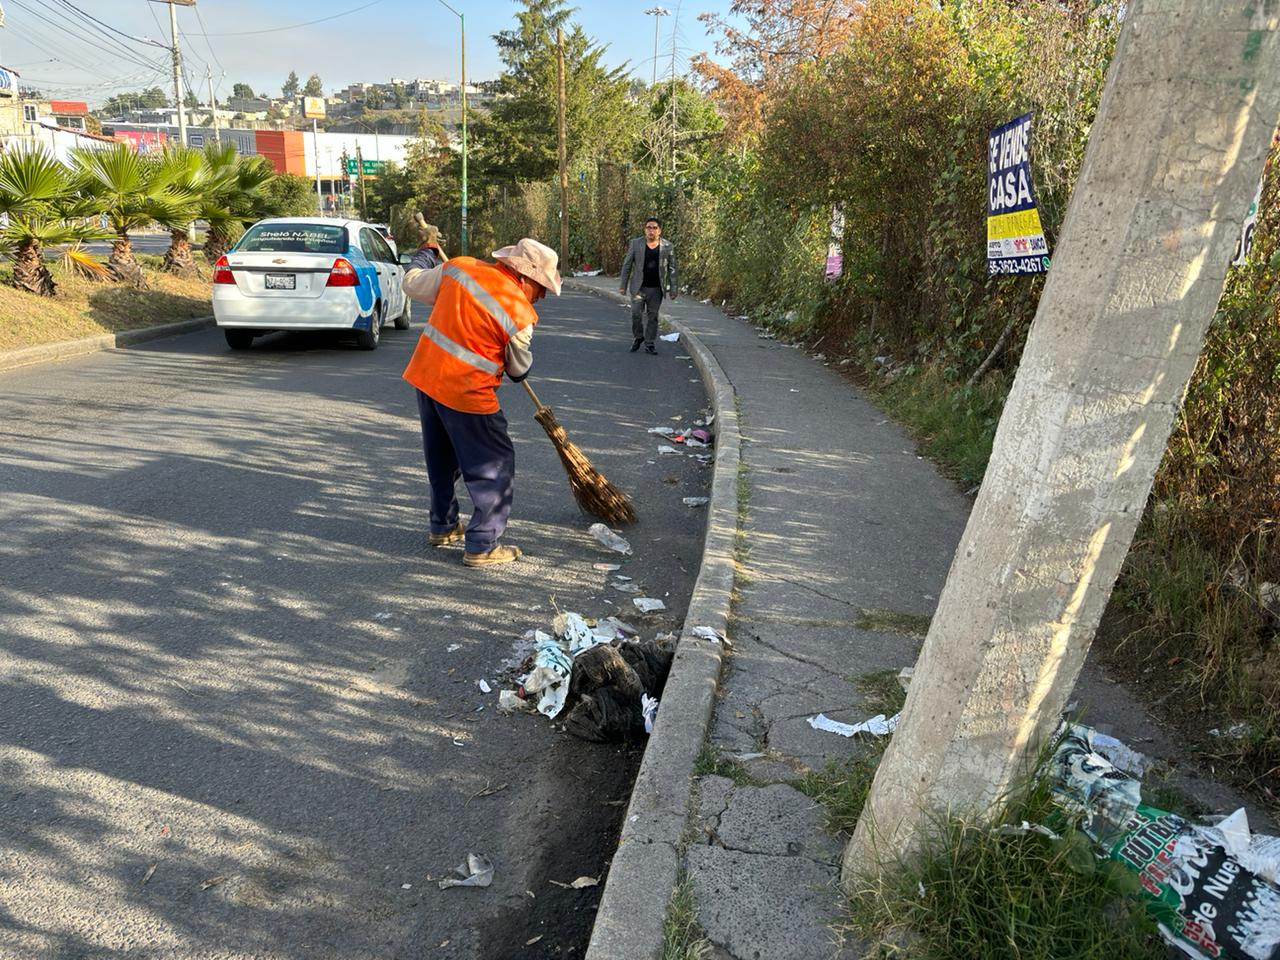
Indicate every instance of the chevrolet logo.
{"type": "Point", "coordinates": [280, 260]}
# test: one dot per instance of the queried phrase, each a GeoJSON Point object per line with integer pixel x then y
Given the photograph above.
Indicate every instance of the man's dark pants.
{"type": "Point", "coordinates": [477, 448]}
{"type": "Point", "coordinates": [646, 326]}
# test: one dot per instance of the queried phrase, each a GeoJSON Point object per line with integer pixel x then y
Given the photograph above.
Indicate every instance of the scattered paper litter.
{"type": "Point", "coordinates": [382, 616]}
{"type": "Point", "coordinates": [452, 647]}
{"type": "Point", "coordinates": [484, 687]}
{"type": "Point", "coordinates": [663, 431]}
{"type": "Point", "coordinates": [666, 451]}
{"type": "Point", "coordinates": [606, 567]}
{"type": "Point", "coordinates": [1122, 757]}
{"type": "Point", "coordinates": [712, 634]}
{"type": "Point", "coordinates": [610, 539]}
{"type": "Point", "coordinates": [578, 884]}
{"type": "Point", "coordinates": [624, 579]}
{"type": "Point", "coordinates": [670, 337]}
{"type": "Point", "coordinates": [572, 629]}
{"type": "Point", "coordinates": [477, 871]}
{"type": "Point", "coordinates": [621, 630]}
{"type": "Point", "coordinates": [877, 726]}
{"type": "Point", "coordinates": [1015, 829]}
{"type": "Point", "coordinates": [696, 501]}
{"type": "Point", "coordinates": [694, 443]}
{"type": "Point", "coordinates": [648, 707]}
{"type": "Point", "coordinates": [648, 604]}
{"type": "Point", "coordinates": [509, 702]}
{"type": "Point", "coordinates": [625, 587]}
{"type": "Point", "coordinates": [550, 677]}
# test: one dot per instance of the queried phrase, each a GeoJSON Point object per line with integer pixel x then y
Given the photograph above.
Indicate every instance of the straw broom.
{"type": "Point", "coordinates": [594, 493]}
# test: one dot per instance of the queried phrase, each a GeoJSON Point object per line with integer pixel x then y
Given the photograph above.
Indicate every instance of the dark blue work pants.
{"type": "Point", "coordinates": [475, 447]}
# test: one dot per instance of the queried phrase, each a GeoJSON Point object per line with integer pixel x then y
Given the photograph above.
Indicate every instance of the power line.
{"type": "Point", "coordinates": [109, 32]}
{"type": "Point", "coordinates": [30, 31]}
{"type": "Point", "coordinates": [295, 26]}
{"type": "Point", "coordinates": [205, 31]}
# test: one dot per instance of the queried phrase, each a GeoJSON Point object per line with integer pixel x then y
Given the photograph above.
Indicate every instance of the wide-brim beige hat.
{"type": "Point", "coordinates": [534, 260]}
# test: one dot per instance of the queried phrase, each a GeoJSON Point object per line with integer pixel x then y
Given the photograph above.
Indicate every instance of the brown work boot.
{"type": "Point", "coordinates": [449, 536]}
{"type": "Point", "coordinates": [499, 554]}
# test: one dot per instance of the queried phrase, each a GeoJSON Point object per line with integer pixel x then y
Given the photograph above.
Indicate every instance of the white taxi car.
{"type": "Point", "coordinates": [309, 273]}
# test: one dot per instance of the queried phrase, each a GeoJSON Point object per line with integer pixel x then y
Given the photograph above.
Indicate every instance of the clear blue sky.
{"type": "Point", "coordinates": [71, 58]}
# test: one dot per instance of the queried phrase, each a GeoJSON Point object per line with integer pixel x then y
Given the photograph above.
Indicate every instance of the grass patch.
{"type": "Point", "coordinates": [981, 895]}
{"type": "Point", "coordinates": [87, 308]}
{"type": "Point", "coordinates": [682, 938]}
{"type": "Point", "coordinates": [894, 621]}
{"type": "Point", "coordinates": [954, 424]}
{"type": "Point", "coordinates": [711, 763]}
{"type": "Point", "coordinates": [882, 692]}
{"type": "Point", "coordinates": [842, 787]}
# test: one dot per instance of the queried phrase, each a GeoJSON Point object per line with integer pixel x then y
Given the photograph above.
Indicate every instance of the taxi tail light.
{"type": "Point", "coordinates": [222, 272]}
{"type": "Point", "coordinates": [343, 274]}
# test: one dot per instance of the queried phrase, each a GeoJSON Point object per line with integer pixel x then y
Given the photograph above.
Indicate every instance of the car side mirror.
{"type": "Point", "coordinates": [405, 259]}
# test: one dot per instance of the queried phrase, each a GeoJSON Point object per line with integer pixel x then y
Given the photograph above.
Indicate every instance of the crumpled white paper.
{"type": "Point", "coordinates": [877, 726]}
{"type": "Point", "coordinates": [648, 707]}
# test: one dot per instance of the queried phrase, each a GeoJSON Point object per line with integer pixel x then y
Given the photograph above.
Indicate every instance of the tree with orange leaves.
{"type": "Point", "coordinates": [779, 36]}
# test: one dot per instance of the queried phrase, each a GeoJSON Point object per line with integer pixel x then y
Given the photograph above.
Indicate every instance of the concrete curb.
{"type": "Point", "coordinates": [629, 923]}
{"type": "Point", "coordinates": [44, 352]}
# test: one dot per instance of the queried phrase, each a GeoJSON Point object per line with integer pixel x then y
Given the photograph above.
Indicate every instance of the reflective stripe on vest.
{"type": "Point", "coordinates": [482, 297]}
{"type": "Point", "coordinates": [453, 348]}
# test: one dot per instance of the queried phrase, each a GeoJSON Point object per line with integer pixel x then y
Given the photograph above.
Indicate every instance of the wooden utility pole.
{"type": "Point", "coordinates": [564, 152]}
{"type": "Point", "coordinates": [1182, 130]}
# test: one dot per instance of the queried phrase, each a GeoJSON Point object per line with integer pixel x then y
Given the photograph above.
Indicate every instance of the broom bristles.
{"type": "Point", "coordinates": [591, 489]}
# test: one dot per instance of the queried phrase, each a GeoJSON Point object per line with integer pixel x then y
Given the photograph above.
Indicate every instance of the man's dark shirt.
{"type": "Point", "coordinates": [650, 277]}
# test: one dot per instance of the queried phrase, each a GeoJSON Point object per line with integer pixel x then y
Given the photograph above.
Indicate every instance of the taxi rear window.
{"type": "Point", "coordinates": [294, 238]}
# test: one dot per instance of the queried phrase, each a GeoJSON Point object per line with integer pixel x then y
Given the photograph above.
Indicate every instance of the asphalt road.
{"type": "Point", "coordinates": [233, 722]}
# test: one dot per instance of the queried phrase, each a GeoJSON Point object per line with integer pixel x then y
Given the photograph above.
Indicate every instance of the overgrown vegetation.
{"type": "Point", "coordinates": [982, 893]}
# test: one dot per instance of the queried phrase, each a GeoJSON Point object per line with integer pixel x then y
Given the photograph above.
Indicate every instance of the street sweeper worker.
{"type": "Point", "coordinates": [481, 326]}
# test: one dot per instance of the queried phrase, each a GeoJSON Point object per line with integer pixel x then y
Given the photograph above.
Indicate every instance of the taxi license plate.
{"type": "Point", "coordinates": [281, 281]}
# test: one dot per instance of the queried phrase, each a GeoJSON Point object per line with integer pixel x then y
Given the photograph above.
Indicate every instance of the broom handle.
{"type": "Point", "coordinates": [532, 396]}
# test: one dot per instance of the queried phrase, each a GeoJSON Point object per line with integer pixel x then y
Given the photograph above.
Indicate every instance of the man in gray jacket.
{"type": "Point", "coordinates": [648, 271]}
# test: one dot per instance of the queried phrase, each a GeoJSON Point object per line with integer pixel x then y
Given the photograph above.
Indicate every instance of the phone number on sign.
{"type": "Point", "coordinates": [1019, 265]}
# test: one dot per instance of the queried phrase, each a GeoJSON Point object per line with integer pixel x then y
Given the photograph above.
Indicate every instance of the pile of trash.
{"type": "Point", "coordinates": [597, 674]}
{"type": "Point", "coordinates": [1211, 887]}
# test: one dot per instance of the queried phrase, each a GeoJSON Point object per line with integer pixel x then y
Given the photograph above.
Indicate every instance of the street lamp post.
{"type": "Point", "coordinates": [462, 27]}
{"type": "Point", "coordinates": [656, 12]}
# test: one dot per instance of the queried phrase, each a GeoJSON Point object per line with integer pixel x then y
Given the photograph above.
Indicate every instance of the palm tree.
{"type": "Point", "coordinates": [189, 182]}
{"type": "Point", "coordinates": [45, 209]}
{"type": "Point", "coordinates": [133, 191]}
{"type": "Point", "coordinates": [237, 198]}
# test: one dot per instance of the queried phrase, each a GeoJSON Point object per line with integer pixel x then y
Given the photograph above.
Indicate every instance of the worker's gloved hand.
{"type": "Point", "coordinates": [428, 233]}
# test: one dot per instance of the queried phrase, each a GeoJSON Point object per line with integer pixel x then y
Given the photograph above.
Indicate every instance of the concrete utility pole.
{"type": "Point", "coordinates": [177, 67]}
{"type": "Point", "coordinates": [563, 150]}
{"type": "Point", "coordinates": [213, 106]}
{"type": "Point", "coordinates": [1188, 111]}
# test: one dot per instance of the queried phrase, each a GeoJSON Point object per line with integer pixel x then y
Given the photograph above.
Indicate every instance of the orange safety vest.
{"type": "Point", "coordinates": [461, 354]}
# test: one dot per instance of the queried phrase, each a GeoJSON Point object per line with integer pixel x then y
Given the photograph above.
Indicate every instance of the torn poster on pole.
{"type": "Point", "coordinates": [1015, 237]}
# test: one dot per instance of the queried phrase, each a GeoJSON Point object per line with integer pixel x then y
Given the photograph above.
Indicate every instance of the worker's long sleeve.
{"type": "Point", "coordinates": [519, 354]}
{"type": "Point", "coordinates": [422, 280]}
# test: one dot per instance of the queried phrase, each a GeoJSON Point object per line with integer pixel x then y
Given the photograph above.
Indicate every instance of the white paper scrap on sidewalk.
{"type": "Point", "coordinates": [670, 337]}
{"type": "Point", "coordinates": [648, 604]}
{"type": "Point", "coordinates": [610, 539]}
{"type": "Point", "coordinates": [877, 726]}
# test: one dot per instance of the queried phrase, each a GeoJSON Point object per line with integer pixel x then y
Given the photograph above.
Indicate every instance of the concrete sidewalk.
{"type": "Point", "coordinates": [847, 536]}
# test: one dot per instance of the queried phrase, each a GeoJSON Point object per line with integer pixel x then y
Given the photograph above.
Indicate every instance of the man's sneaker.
{"type": "Point", "coordinates": [449, 536]}
{"type": "Point", "coordinates": [499, 554]}
{"type": "Point", "coordinates": [636, 344]}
